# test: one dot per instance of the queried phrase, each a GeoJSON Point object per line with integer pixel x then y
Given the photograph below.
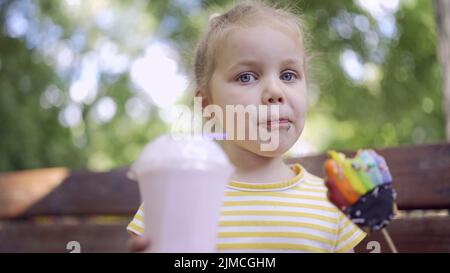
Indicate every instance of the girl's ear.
{"type": "Point", "coordinates": [206, 100]}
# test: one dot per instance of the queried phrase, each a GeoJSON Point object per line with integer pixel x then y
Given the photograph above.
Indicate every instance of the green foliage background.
{"type": "Point", "coordinates": [401, 104]}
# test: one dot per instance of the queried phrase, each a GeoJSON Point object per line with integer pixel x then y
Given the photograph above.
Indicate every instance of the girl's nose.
{"type": "Point", "coordinates": [273, 94]}
{"type": "Point", "coordinates": [276, 100]}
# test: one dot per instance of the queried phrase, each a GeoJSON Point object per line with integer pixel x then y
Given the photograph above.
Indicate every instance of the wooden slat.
{"type": "Point", "coordinates": [80, 193]}
{"type": "Point", "coordinates": [21, 190]}
{"type": "Point", "coordinates": [421, 177]}
{"type": "Point", "coordinates": [430, 234]}
{"type": "Point", "coordinates": [23, 236]}
{"type": "Point", "coordinates": [421, 174]}
{"type": "Point", "coordinates": [427, 234]}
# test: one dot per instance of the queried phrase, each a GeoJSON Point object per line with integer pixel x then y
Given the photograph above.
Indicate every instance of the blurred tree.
{"type": "Point", "coordinates": [30, 136]}
{"type": "Point", "coordinates": [77, 78]}
{"type": "Point", "coordinates": [377, 72]}
{"type": "Point", "coordinates": [62, 102]}
{"type": "Point", "coordinates": [442, 10]}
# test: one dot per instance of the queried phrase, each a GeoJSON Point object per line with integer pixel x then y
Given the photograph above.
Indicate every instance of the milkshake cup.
{"type": "Point", "coordinates": [182, 183]}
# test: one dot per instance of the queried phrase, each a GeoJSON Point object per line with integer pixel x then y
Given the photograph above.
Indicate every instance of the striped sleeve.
{"type": "Point", "coordinates": [136, 226]}
{"type": "Point", "coordinates": [349, 235]}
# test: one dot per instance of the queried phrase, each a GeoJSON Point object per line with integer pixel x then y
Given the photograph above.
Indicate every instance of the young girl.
{"type": "Point", "coordinates": [255, 54]}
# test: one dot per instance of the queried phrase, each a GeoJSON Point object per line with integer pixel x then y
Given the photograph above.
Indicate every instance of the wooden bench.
{"type": "Point", "coordinates": [43, 210]}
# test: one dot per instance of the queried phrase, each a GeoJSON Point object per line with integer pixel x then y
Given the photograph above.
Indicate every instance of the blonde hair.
{"type": "Point", "coordinates": [246, 13]}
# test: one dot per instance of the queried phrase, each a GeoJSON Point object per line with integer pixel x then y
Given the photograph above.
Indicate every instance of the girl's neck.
{"type": "Point", "coordinates": [253, 168]}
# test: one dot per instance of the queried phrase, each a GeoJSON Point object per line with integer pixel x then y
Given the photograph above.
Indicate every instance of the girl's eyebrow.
{"type": "Point", "coordinates": [243, 63]}
{"type": "Point", "coordinates": [288, 61]}
{"type": "Point", "coordinates": [291, 61]}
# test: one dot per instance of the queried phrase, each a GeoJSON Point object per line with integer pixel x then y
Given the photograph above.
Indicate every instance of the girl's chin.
{"type": "Point", "coordinates": [267, 148]}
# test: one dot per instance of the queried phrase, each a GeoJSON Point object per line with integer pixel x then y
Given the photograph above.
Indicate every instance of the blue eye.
{"type": "Point", "coordinates": [288, 76]}
{"type": "Point", "coordinates": [246, 77]}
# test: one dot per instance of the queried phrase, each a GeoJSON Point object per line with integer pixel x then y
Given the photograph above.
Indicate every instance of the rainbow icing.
{"type": "Point", "coordinates": [350, 179]}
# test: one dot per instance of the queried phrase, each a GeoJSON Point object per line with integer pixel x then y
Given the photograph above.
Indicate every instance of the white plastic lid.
{"type": "Point", "coordinates": [175, 152]}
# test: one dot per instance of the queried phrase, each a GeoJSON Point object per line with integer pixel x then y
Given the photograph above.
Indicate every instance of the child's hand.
{"type": "Point", "coordinates": [138, 244]}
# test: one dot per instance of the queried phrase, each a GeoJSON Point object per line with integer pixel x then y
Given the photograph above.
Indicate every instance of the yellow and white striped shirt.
{"type": "Point", "coordinates": [294, 215]}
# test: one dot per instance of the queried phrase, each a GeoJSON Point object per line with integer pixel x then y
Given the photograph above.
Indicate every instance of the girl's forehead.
{"type": "Point", "coordinates": [247, 34]}
{"type": "Point", "coordinates": [259, 42]}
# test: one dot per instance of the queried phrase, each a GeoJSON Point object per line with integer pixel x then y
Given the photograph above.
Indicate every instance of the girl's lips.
{"type": "Point", "coordinates": [278, 123]}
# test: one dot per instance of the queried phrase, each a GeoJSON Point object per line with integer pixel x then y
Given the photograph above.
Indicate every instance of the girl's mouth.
{"type": "Point", "coordinates": [280, 123]}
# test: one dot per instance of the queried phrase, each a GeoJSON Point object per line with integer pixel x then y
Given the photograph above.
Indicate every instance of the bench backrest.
{"type": "Point", "coordinates": [43, 210]}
